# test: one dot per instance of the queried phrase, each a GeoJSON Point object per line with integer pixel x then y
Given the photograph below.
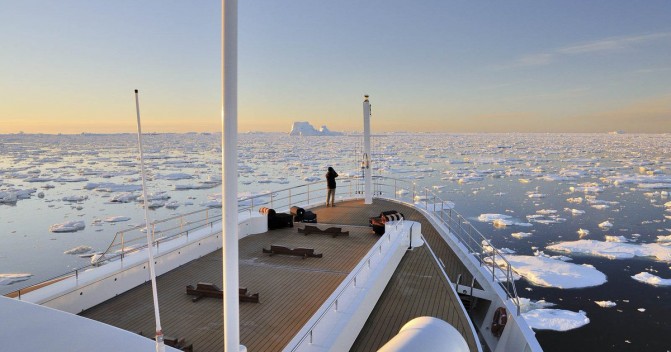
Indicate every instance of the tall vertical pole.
{"type": "Point", "coordinates": [229, 173]}
{"type": "Point", "coordinates": [367, 177]}
{"type": "Point", "coordinates": [160, 345]}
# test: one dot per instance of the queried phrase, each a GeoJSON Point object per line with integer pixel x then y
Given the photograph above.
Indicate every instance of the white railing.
{"type": "Point", "coordinates": [319, 329]}
{"type": "Point", "coordinates": [310, 194]}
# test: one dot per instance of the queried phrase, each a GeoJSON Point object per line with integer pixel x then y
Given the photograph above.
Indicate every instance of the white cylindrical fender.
{"type": "Point", "coordinates": [426, 334]}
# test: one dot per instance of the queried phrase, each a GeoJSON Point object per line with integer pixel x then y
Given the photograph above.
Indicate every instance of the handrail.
{"type": "Point", "coordinates": [481, 248]}
{"type": "Point", "coordinates": [312, 193]}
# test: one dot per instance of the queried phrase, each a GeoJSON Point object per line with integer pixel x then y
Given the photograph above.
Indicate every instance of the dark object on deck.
{"type": "Point", "coordinates": [277, 220]}
{"type": "Point", "coordinates": [177, 343]}
{"type": "Point", "coordinates": [267, 211]}
{"type": "Point", "coordinates": [378, 226]}
{"type": "Point", "coordinates": [297, 213]}
{"type": "Point", "coordinates": [206, 289]}
{"type": "Point", "coordinates": [280, 221]}
{"type": "Point", "coordinates": [309, 217]}
{"type": "Point", "coordinates": [378, 222]}
{"type": "Point", "coordinates": [245, 296]}
{"type": "Point", "coordinates": [333, 231]}
{"type": "Point", "coordinates": [299, 252]}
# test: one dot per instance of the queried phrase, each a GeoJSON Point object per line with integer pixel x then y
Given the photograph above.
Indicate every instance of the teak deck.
{"type": "Point", "coordinates": [292, 289]}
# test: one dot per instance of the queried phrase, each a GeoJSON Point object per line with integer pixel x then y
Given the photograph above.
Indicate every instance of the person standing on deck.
{"type": "Point", "coordinates": [331, 185]}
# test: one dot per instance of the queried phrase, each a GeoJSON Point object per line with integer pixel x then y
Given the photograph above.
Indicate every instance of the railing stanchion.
{"type": "Point", "coordinates": [309, 193]}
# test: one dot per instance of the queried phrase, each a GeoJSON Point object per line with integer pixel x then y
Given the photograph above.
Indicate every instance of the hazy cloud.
{"type": "Point", "coordinates": [602, 45]}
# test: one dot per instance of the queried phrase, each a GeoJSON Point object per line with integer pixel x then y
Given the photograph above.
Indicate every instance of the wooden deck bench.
{"type": "Point", "coordinates": [206, 289]}
{"type": "Point", "coordinates": [179, 344]}
{"type": "Point", "coordinates": [299, 252]}
{"type": "Point", "coordinates": [333, 231]}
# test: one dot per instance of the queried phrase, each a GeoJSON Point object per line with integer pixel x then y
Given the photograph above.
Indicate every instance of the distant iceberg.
{"type": "Point", "coordinates": [304, 128]}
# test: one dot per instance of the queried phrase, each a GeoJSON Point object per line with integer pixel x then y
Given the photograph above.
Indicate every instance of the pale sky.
{"type": "Point", "coordinates": [71, 66]}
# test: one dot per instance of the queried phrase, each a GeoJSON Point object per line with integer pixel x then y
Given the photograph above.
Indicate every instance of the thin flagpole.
{"type": "Point", "coordinates": [229, 173]}
{"type": "Point", "coordinates": [160, 346]}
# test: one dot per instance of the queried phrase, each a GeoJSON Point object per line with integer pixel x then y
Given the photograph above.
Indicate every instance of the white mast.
{"type": "Point", "coordinates": [229, 173]}
{"type": "Point", "coordinates": [160, 346]}
{"type": "Point", "coordinates": [367, 177]}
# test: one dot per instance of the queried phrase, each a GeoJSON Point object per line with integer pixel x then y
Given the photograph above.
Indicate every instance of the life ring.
{"type": "Point", "coordinates": [499, 321]}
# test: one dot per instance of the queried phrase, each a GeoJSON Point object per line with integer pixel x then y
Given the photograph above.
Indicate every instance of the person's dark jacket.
{"type": "Point", "coordinates": [330, 178]}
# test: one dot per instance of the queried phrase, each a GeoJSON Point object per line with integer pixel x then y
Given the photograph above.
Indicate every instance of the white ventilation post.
{"type": "Point", "coordinates": [367, 177]}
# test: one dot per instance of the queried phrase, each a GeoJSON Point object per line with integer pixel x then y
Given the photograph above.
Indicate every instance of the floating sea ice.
{"type": "Point", "coordinates": [600, 206]}
{"type": "Point", "coordinates": [8, 279]}
{"type": "Point", "coordinates": [574, 200]}
{"type": "Point", "coordinates": [605, 304]}
{"type": "Point", "coordinates": [401, 192]}
{"type": "Point", "coordinates": [536, 195]}
{"type": "Point", "coordinates": [75, 198]}
{"type": "Point", "coordinates": [587, 188]}
{"type": "Point", "coordinates": [620, 239]}
{"type": "Point", "coordinates": [549, 272]}
{"type": "Point", "coordinates": [78, 250]}
{"type": "Point", "coordinates": [112, 187]}
{"type": "Point", "coordinates": [666, 238]}
{"type": "Point", "coordinates": [70, 226]}
{"type": "Point", "coordinates": [492, 217]}
{"type": "Point", "coordinates": [606, 225]}
{"type": "Point", "coordinates": [574, 211]}
{"type": "Point", "coordinates": [527, 305]}
{"type": "Point", "coordinates": [13, 195]}
{"type": "Point", "coordinates": [555, 319]}
{"type": "Point", "coordinates": [546, 211]}
{"type": "Point", "coordinates": [125, 197]}
{"type": "Point", "coordinates": [155, 196]}
{"type": "Point", "coordinates": [582, 232]}
{"type": "Point", "coordinates": [116, 218]}
{"type": "Point", "coordinates": [650, 279]}
{"type": "Point", "coordinates": [521, 235]}
{"type": "Point", "coordinates": [155, 204]}
{"type": "Point", "coordinates": [174, 176]}
{"type": "Point", "coordinates": [614, 250]}
{"type": "Point", "coordinates": [312, 179]}
{"type": "Point", "coordinates": [641, 310]}
{"type": "Point", "coordinates": [172, 204]}
{"type": "Point", "coordinates": [499, 223]}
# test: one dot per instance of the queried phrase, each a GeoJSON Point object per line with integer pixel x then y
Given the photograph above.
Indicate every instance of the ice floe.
{"type": "Point", "coordinates": [606, 225]}
{"type": "Point", "coordinates": [614, 250]}
{"type": "Point", "coordinates": [651, 279]}
{"type": "Point", "coordinates": [605, 304]}
{"type": "Point", "coordinates": [501, 220]}
{"type": "Point", "coordinates": [521, 235]}
{"type": "Point", "coordinates": [555, 319]}
{"type": "Point", "coordinates": [112, 187]}
{"type": "Point", "coordinates": [549, 272]}
{"type": "Point", "coordinates": [70, 226]}
{"type": "Point", "coordinates": [116, 218]}
{"type": "Point", "coordinates": [75, 198]}
{"type": "Point", "coordinates": [78, 250]}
